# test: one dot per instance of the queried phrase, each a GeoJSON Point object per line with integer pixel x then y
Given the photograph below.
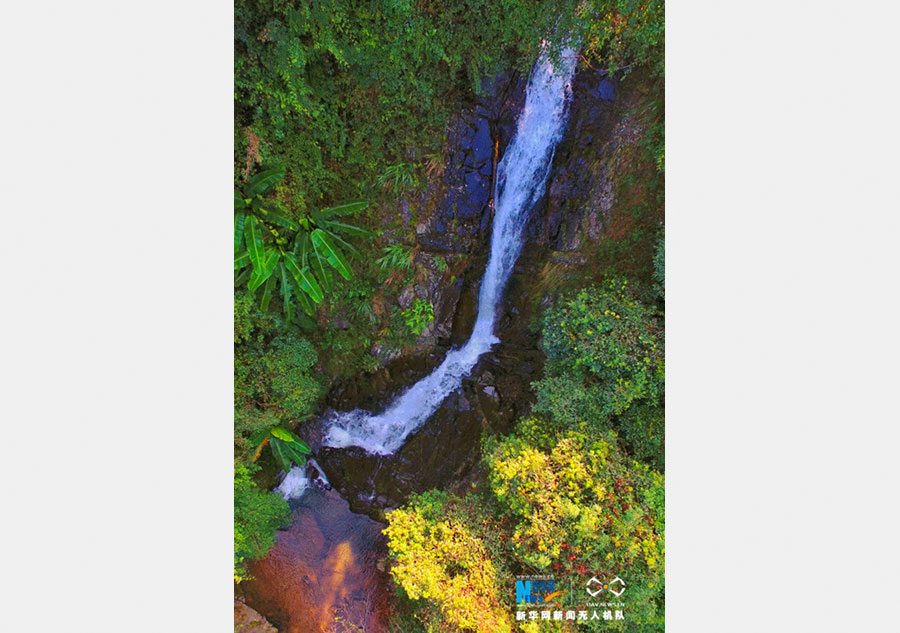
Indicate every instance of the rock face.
{"type": "Point", "coordinates": [460, 221]}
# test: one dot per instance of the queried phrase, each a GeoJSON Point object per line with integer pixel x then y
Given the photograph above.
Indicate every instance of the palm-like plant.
{"type": "Point", "coordinates": [294, 257]}
{"type": "Point", "coordinates": [286, 447]}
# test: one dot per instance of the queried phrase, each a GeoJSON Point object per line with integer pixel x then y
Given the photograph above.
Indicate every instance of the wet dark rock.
{"type": "Point", "coordinates": [340, 323]}
{"type": "Point", "coordinates": [406, 297]}
{"type": "Point", "coordinates": [461, 219]}
{"type": "Point", "coordinates": [448, 446]}
{"type": "Point", "coordinates": [605, 90]}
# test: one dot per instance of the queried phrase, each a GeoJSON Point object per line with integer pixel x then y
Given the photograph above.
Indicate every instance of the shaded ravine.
{"type": "Point", "coordinates": [331, 555]}
{"type": "Point", "coordinates": [521, 179]}
{"type": "Point", "coordinates": [497, 390]}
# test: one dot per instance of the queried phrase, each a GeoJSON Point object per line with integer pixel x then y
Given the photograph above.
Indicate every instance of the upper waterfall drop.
{"type": "Point", "coordinates": [521, 178]}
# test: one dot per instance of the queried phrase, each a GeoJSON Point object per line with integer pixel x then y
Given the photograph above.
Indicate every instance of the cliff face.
{"type": "Point", "coordinates": [601, 216]}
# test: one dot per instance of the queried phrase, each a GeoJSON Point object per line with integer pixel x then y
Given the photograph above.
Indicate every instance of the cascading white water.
{"type": "Point", "coordinates": [521, 178]}
{"type": "Point", "coordinates": [295, 482]}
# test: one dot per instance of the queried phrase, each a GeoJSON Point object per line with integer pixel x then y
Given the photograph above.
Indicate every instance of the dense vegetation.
{"type": "Point", "coordinates": [556, 502]}
{"type": "Point", "coordinates": [340, 111]}
{"type": "Point", "coordinates": [605, 367]}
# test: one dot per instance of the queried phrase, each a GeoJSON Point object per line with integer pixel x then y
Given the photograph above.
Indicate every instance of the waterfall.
{"type": "Point", "coordinates": [521, 180]}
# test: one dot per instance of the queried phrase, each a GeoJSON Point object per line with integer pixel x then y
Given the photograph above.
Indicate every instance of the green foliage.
{"type": "Point", "coordinates": [605, 350]}
{"type": "Point", "coordinates": [287, 448]}
{"type": "Point", "coordinates": [418, 315]}
{"type": "Point", "coordinates": [623, 33]}
{"type": "Point", "coordinates": [274, 386]}
{"type": "Point", "coordinates": [247, 317]}
{"type": "Point", "coordinates": [659, 267]}
{"type": "Point", "coordinates": [291, 258]}
{"type": "Point", "coordinates": [341, 91]}
{"type": "Point", "coordinates": [446, 554]}
{"type": "Point", "coordinates": [396, 257]}
{"type": "Point", "coordinates": [642, 429]}
{"type": "Point", "coordinates": [251, 427]}
{"type": "Point", "coordinates": [276, 377]}
{"type": "Point", "coordinates": [561, 504]}
{"type": "Point", "coordinates": [398, 178]}
{"type": "Point", "coordinates": [579, 508]}
{"type": "Point", "coordinates": [257, 514]}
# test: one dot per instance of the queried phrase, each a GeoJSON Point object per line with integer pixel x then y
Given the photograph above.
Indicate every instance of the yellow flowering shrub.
{"type": "Point", "coordinates": [561, 504]}
{"type": "Point", "coordinates": [582, 508]}
{"type": "Point", "coordinates": [444, 551]}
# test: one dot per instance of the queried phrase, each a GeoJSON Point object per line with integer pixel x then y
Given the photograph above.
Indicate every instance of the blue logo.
{"type": "Point", "coordinates": [535, 591]}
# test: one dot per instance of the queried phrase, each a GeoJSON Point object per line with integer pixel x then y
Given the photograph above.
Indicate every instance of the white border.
{"type": "Point", "coordinates": [782, 231]}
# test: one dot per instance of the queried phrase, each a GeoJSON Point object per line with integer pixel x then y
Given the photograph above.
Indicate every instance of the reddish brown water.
{"type": "Point", "coordinates": [322, 575]}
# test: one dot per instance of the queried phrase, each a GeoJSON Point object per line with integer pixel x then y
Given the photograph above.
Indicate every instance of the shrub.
{"type": "Point", "coordinates": [581, 508]}
{"type": "Point", "coordinates": [418, 315]}
{"type": "Point", "coordinates": [257, 514]}
{"type": "Point", "coordinates": [559, 503]}
{"type": "Point", "coordinates": [605, 350]}
{"type": "Point", "coordinates": [623, 33]}
{"type": "Point", "coordinates": [277, 378]}
{"type": "Point", "coordinates": [659, 267]}
{"type": "Point", "coordinates": [642, 429]}
{"type": "Point", "coordinates": [445, 553]}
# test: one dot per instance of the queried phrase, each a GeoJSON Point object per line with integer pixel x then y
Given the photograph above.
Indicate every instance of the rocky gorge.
{"type": "Point", "coordinates": [596, 218]}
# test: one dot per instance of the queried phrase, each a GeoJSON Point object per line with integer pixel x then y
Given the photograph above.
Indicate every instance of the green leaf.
{"type": "Point", "coordinates": [263, 180]}
{"type": "Point", "coordinates": [318, 265]}
{"type": "Point", "coordinates": [280, 456]}
{"type": "Point", "coordinates": [280, 220]}
{"type": "Point", "coordinates": [240, 279]}
{"type": "Point", "coordinates": [238, 230]}
{"type": "Point", "coordinates": [299, 445]}
{"type": "Point", "coordinates": [272, 259]}
{"type": "Point", "coordinates": [257, 278]}
{"type": "Point", "coordinates": [261, 274]}
{"type": "Point", "coordinates": [349, 247]}
{"type": "Point", "coordinates": [267, 293]}
{"type": "Point", "coordinates": [326, 279]}
{"type": "Point", "coordinates": [289, 312]}
{"type": "Point", "coordinates": [306, 304]}
{"type": "Point", "coordinates": [305, 281]}
{"type": "Point", "coordinates": [241, 260]}
{"type": "Point", "coordinates": [346, 208]}
{"type": "Point", "coordinates": [258, 436]}
{"type": "Point", "coordinates": [301, 247]}
{"type": "Point", "coordinates": [324, 244]}
{"type": "Point", "coordinates": [349, 229]}
{"type": "Point", "coordinates": [281, 433]}
{"type": "Point", "coordinates": [286, 285]}
{"type": "Point", "coordinates": [239, 203]}
{"type": "Point", "coordinates": [293, 452]}
{"type": "Point", "coordinates": [254, 239]}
